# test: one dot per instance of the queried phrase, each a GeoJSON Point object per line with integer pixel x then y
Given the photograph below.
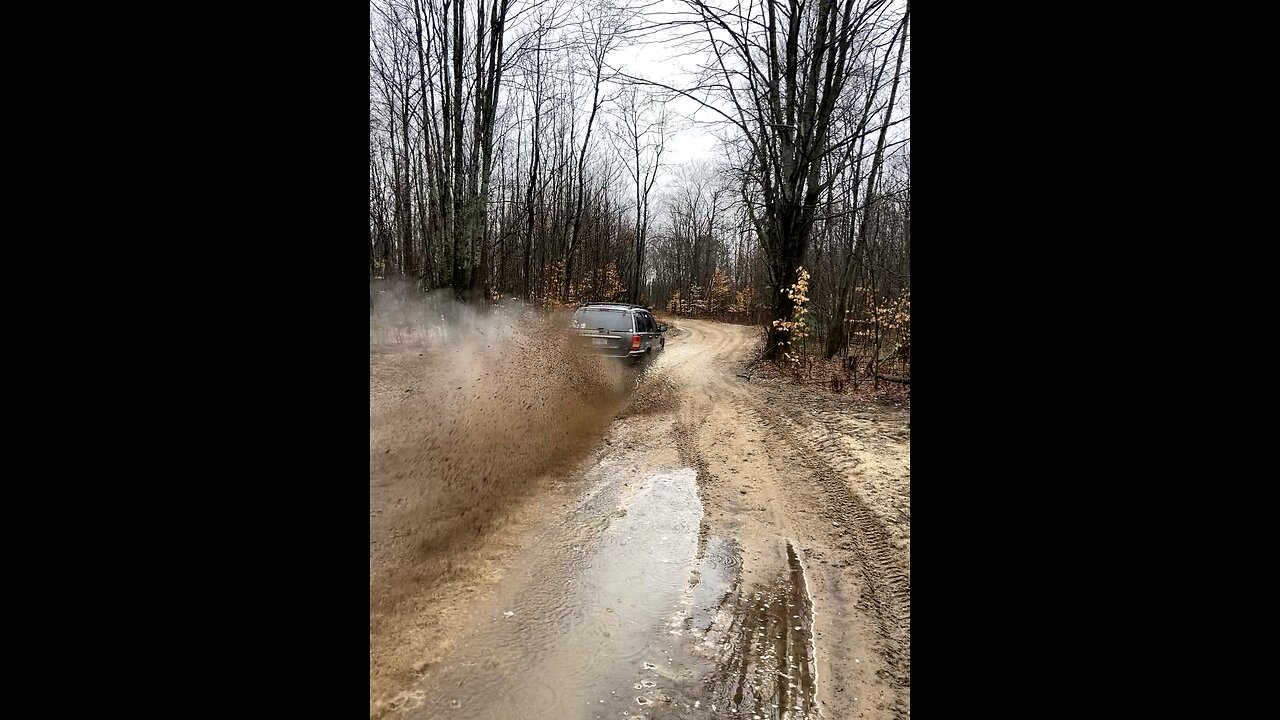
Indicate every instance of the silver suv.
{"type": "Point", "coordinates": [619, 330]}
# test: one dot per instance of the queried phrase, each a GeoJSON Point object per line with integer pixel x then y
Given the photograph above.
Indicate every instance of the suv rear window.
{"type": "Point", "coordinates": [613, 320]}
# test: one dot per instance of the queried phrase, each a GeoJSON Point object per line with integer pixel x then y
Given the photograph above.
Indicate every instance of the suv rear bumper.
{"type": "Point", "coordinates": [613, 352]}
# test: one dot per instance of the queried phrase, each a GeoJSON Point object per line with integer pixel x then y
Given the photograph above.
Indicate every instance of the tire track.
{"type": "Point", "coordinates": [832, 445]}
{"type": "Point", "coordinates": [834, 450]}
{"type": "Point", "coordinates": [843, 442]}
{"type": "Point", "coordinates": [887, 589]}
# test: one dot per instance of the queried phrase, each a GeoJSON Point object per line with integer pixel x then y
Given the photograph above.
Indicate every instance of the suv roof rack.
{"type": "Point", "coordinates": [614, 304]}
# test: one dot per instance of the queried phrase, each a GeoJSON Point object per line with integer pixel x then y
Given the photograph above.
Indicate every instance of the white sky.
{"type": "Point", "coordinates": [693, 139]}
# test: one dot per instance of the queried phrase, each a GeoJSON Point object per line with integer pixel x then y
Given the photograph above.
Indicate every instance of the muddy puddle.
{"type": "Point", "coordinates": [623, 609]}
{"type": "Point", "coordinates": [754, 655]}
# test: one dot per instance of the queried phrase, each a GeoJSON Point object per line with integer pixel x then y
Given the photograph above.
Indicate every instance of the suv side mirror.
{"type": "Point", "coordinates": [662, 328]}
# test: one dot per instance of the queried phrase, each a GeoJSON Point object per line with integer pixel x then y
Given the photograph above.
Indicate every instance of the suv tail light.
{"type": "Point", "coordinates": [635, 342]}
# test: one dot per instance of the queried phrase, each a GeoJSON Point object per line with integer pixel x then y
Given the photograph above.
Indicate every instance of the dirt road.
{"type": "Point", "coordinates": [721, 547]}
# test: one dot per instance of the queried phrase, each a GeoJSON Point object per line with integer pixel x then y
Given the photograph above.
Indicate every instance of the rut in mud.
{"type": "Point", "coordinates": [710, 548]}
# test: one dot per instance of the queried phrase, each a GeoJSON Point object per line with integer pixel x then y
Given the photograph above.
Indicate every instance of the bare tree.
{"type": "Point", "coordinates": [642, 139]}
{"type": "Point", "coordinates": [836, 335]}
{"type": "Point", "coordinates": [485, 173]}
{"type": "Point", "coordinates": [776, 71]}
{"type": "Point", "coordinates": [601, 31]}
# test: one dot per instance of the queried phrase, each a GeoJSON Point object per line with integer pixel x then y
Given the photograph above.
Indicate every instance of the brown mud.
{"type": "Point", "coordinates": [694, 545]}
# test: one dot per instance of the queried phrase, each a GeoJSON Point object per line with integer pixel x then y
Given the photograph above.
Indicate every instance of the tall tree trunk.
{"type": "Point", "coordinates": [535, 139]}
{"type": "Point", "coordinates": [603, 40]}
{"type": "Point", "coordinates": [461, 210]}
{"type": "Point", "coordinates": [488, 86]}
{"type": "Point", "coordinates": [836, 336]}
{"type": "Point", "coordinates": [409, 268]}
{"type": "Point", "coordinates": [634, 292]}
{"type": "Point", "coordinates": [424, 99]}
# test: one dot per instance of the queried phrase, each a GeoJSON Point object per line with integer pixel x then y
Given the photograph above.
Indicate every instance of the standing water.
{"type": "Point", "coordinates": [621, 610]}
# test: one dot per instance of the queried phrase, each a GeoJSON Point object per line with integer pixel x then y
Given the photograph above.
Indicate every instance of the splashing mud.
{"type": "Point", "coordinates": [619, 551]}
{"type": "Point", "coordinates": [469, 412]}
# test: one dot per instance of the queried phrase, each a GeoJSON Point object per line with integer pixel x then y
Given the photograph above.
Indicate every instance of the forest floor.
{"type": "Point", "coordinates": [557, 537]}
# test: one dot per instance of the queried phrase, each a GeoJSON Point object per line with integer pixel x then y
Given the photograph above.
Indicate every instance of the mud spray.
{"type": "Point", "coordinates": [471, 409]}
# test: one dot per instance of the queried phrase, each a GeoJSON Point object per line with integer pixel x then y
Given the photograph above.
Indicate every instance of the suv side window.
{"type": "Point", "coordinates": [647, 320]}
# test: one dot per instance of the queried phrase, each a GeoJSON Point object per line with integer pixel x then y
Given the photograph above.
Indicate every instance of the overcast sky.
{"type": "Point", "coordinates": [660, 59]}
